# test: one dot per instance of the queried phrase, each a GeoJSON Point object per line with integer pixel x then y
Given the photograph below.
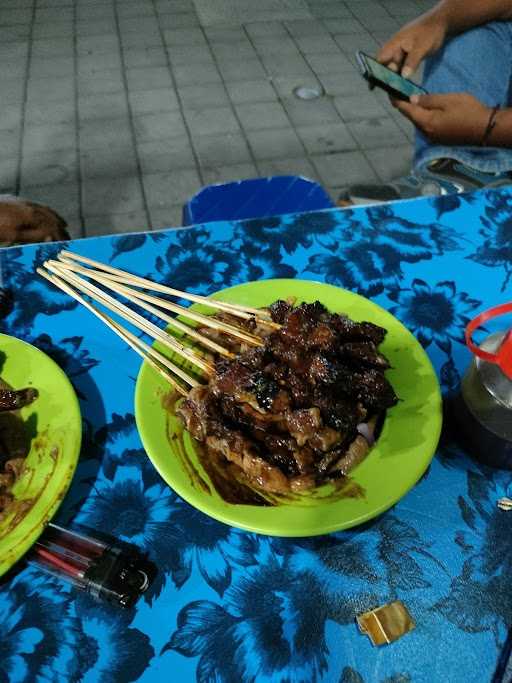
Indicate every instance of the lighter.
{"type": "Point", "coordinates": [116, 572]}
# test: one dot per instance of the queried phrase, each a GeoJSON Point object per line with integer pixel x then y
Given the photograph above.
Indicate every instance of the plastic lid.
{"type": "Point", "coordinates": [503, 355]}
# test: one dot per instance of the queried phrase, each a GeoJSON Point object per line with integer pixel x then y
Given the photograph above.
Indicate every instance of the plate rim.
{"type": "Point", "coordinates": [326, 528]}
{"type": "Point", "coordinates": [14, 554]}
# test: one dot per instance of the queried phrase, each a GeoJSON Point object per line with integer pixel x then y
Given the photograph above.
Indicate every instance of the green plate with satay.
{"type": "Point", "coordinates": [400, 455]}
{"type": "Point", "coordinates": [39, 446]}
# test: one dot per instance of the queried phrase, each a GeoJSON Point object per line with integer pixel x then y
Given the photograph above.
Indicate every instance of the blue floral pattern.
{"type": "Point", "coordinates": [495, 251]}
{"type": "Point", "coordinates": [235, 607]}
{"type": "Point", "coordinates": [40, 635]}
{"type": "Point", "coordinates": [434, 313]}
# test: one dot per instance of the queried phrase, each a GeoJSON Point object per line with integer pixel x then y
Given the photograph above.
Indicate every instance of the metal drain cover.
{"type": "Point", "coordinates": [306, 92]}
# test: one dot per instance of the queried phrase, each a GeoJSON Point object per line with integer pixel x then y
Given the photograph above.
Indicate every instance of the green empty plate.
{"type": "Point", "coordinates": [53, 427]}
{"type": "Point", "coordinates": [400, 456]}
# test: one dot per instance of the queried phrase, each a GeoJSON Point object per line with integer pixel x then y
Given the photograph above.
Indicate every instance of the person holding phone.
{"type": "Point", "coordinates": [464, 123]}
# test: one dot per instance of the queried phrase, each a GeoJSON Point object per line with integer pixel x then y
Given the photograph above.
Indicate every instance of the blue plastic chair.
{"type": "Point", "coordinates": [255, 198]}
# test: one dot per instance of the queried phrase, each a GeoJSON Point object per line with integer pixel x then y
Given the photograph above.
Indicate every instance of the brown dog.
{"type": "Point", "coordinates": [25, 222]}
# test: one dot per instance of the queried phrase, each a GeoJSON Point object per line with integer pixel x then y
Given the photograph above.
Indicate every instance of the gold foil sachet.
{"type": "Point", "coordinates": [385, 624]}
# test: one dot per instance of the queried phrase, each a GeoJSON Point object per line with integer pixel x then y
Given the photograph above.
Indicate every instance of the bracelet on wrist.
{"type": "Point", "coordinates": [490, 126]}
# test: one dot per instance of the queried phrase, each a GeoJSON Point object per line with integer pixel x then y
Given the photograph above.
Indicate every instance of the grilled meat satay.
{"type": "Point", "coordinates": [14, 400]}
{"type": "Point", "coordinates": [14, 441]}
{"type": "Point", "coordinates": [287, 414]}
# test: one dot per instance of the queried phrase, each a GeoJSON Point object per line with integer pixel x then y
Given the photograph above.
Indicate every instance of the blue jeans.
{"type": "Point", "coordinates": [478, 62]}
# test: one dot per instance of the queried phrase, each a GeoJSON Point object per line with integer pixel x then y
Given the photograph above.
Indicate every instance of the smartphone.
{"type": "Point", "coordinates": [379, 75]}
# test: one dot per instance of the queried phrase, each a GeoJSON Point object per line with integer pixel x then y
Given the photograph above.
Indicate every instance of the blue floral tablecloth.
{"type": "Point", "coordinates": [235, 607]}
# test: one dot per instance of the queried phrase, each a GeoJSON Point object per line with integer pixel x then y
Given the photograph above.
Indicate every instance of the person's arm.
{"type": "Point", "coordinates": [457, 118]}
{"type": "Point", "coordinates": [461, 15]}
{"type": "Point", "coordinates": [425, 35]}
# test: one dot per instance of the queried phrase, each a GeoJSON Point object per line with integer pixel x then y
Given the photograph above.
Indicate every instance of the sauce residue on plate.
{"type": "Point", "coordinates": [18, 441]}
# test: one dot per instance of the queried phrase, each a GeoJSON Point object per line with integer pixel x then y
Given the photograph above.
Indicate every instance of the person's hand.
{"type": "Point", "coordinates": [22, 222]}
{"type": "Point", "coordinates": [415, 41]}
{"type": "Point", "coordinates": [453, 119]}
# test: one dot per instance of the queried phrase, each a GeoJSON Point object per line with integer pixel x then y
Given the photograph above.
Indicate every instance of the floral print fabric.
{"type": "Point", "coordinates": [234, 607]}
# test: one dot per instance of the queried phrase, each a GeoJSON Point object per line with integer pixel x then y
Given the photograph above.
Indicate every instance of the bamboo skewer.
{"type": "Point", "coordinates": [148, 353]}
{"type": "Point", "coordinates": [246, 312]}
{"type": "Point", "coordinates": [73, 272]}
{"type": "Point", "coordinates": [143, 282]}
{"type": "Point", "coordinates": [137, 297]}
{"type": "Point", "coordinates": [134, 297]}
{"type": "Point", "coordinates": [207, 320]}
{"type": "Point", "coordinates": [129, 315]}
